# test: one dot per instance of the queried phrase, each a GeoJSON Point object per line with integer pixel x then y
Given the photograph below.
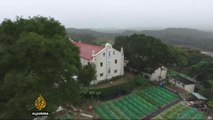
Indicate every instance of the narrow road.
{"type": "Point", "coordinates": [158, 111]}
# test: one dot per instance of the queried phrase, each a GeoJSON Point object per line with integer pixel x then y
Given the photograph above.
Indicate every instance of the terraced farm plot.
{"type": "Point", "coordinates": [180, 111]}
{"type": "Point", "coordinates": [157, 96]}
{"type": "Point", "coordinates": [135, 106]}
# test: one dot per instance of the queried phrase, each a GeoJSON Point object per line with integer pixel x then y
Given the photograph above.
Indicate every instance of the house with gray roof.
{"type": "Point", "coordinates": [183, 83]}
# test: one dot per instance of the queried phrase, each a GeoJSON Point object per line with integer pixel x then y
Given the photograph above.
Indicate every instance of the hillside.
{"type": "Point", "coordinates": [179, 36]}
{"type": "Point", "coordinates": [90, 36]}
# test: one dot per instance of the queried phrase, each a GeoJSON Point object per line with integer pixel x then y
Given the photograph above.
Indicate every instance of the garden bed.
{"type": "Point", "coordinates": [137, 105]}
{"type": "Point", "coordinates": [181, 111]}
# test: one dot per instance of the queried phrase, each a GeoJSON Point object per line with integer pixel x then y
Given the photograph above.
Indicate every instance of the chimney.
{"type": "Point", "coordinates": [93, 53]}
{"type": "Point", "coordinates": [122, 50]}
{"type": "Point", "coordinates": [93, 56]}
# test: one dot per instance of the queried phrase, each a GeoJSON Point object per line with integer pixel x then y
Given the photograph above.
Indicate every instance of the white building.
{"type": "Point", "coordinates": [183, 83]}
{"type": "Point", "coordinates": [108, 61]}
{"type": "Point", "coordinates": [158, 74]}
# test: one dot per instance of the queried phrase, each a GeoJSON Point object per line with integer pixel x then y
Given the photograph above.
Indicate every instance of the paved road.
{"type": "Point", "coordinates": [161, 110]}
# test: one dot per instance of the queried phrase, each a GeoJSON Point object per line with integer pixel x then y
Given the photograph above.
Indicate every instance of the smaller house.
{"type": "Point", "coordinates": [156, 74]}
{"type": "Point", "coordinates": [159, 74]}
{"type": "Point", "coordinates": [183, 83]}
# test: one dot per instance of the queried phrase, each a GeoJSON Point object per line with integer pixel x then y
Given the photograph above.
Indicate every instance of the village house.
{"type": "Point", "coordinates": [108, 61]}
{"type": "Point", "coordinates": [159, 74]}
{"type": "Point", "coordinates": [183, 83]}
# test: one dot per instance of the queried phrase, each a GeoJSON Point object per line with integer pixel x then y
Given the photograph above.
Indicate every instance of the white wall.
{"type": "Point", "coordinates": [108, 61]}
{"type": "Point", "coordinates": [84, 61]}
{"type": "Point", "coordinates": [99, 58]}
{"type": "Point", "coordinates": [158, 73]}
{"type": "Point", "coordinates": [189, 88]}
{"type": "Point", "coordinates": [163, 73]}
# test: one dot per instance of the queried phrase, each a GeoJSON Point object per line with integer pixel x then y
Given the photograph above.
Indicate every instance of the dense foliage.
{"type": "Point", "coordinates": [36, 58]}
{"type": "Point", "coordinates": [110, 92]}
{"type": "Point", "coordinates": [87, 74]}
{"type": "Point", "coordinates": [201, 67]}
{"type": "Point", "coordinates": [146, 53]}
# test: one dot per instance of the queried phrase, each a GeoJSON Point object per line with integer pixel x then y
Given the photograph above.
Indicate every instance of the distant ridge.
{"type": "Point", "coordinates": [178, 36]}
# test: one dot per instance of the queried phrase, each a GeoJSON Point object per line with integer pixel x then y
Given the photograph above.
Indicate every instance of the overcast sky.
{"type": "Point", "coordinates": [115, 13]}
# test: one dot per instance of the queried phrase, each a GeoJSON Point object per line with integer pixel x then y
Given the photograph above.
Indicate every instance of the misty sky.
{"type": "Point", "coordinates": [115, 13]}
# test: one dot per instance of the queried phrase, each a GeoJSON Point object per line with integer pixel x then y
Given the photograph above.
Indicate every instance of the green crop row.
{"type": "Point", "coordinates": [135, 106]}
{"type": "Point", "coordinates": [180, 111]}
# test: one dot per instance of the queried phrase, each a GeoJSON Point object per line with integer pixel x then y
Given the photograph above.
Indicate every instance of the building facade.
{"type": "Point", "coordinates": [159, 74]}
{"type": "Point", "coordinates": [108, 61]}
{"type": "Point", "coordinates": [183, 83]}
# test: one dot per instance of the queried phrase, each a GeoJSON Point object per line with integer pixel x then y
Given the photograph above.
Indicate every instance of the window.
{"type": "Point", "coordinates": [109, 53]}
{"type": "Point", "coordinates": [116, 61]}
{"type": "Point", "coordinates": [104, 54]}
{"type": "Point", "coordinates": [113, 52]}
{"type": "Point", "coordinates": [101, 74]}
{"type": "Point", "coordinates": [109, 71]}
{"type": "Point", "coordinates": [115, 71]}
{"type": "Point", "coordinates": [101, 64]}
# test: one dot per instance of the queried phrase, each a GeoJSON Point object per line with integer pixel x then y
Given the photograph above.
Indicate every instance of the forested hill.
{"type": "Point", "coordinates": [179, 36]}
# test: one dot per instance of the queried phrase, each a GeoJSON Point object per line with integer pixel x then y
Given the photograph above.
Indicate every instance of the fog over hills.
{"type": "Point", "coordinates": [178, 36]}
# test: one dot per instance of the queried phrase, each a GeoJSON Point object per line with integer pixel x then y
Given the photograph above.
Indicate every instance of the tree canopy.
{"type": "Point", "coordinates": [200, 65]}
{"type": "Point", "coordinates": [36, 58]}
{"type": "Point", "coordinates": [87, 74]}
{"type": "Point", "coordinates": [147, 53]}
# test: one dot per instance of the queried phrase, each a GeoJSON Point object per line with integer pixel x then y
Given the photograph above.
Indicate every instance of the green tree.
{"type": "Point", "coordinates": [47, 27]}
{"type": "Point", "coordinates": [36, 58]}
{"type": "Point", "coordinates": [86, 74]}
{"type": "Point", "coordinates": [203, 71]}
{"type": "Point", "coordinates": [211, 87]}
{"type": "Point", "coordinates": [147, 53]}
{"type": "Point", "coordinates": [201, 67]}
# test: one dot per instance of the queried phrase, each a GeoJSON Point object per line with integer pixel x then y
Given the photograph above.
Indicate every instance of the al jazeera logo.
{"type": "Point", "coordinates": [40, 104]}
